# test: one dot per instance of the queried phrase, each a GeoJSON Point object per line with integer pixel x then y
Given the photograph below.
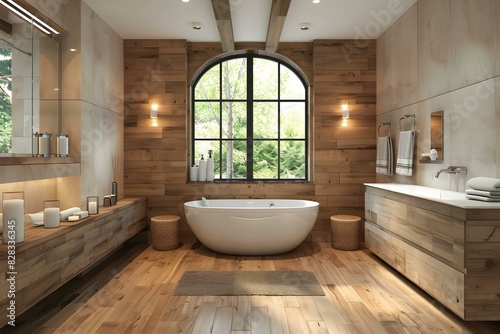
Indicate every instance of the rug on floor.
{"type": "Point", "coordinates": [248, 283]}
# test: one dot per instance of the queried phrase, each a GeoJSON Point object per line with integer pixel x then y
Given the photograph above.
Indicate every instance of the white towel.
{"type": "Point", "coordinates": [32, 218]}
{"type": "Point", "coordinates": [492, 194]}
{"type": "Point", "coordinates": [484, 183]}
{"type": "Point", "coordinates": [404, 163]}
{"type": "Point", "coordinates": [68, 212]}
{"type": "Point", "coordinates": [384, 156]}
{"type": "Point", "coordinates": [482, 198]}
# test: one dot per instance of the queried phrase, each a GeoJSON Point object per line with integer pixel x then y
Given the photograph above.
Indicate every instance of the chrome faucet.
{"type": "Point", "coordinates": [452, 170]}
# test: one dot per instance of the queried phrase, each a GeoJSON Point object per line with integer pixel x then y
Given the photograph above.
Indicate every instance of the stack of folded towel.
{"type": "Point", "coordinates": [483, 189]}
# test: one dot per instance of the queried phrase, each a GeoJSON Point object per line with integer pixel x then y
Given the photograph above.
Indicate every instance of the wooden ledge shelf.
{"type": "Point", "coordinates": [29, 160]}
{"type": "Point", "coordinates": [35, 236]}
{"type": "Point", "coordinates": [48, 258]}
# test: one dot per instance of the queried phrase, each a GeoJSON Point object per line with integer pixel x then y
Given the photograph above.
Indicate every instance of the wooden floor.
{"type": "Point", "coordinates": [132, 292]}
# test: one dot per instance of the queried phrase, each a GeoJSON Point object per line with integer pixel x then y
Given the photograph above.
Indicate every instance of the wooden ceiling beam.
{"type": "Point", "coordinates": [279, 11]}
{"type": "Point", "coordinates": [222, 12]}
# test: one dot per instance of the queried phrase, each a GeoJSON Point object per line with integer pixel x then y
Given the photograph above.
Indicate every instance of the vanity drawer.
{"type": "Point", "coordinates": [433, 233]}
{"type": "Point", "coordinates": [440, 280]}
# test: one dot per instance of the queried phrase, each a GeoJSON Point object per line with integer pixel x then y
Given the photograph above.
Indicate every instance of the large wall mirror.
{"type": "Point", "coordinates": [29, 84]}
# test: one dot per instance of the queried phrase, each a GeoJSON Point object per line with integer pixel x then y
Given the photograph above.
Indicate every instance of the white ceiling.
{"type": "Point", "coordinates": [173, 19]}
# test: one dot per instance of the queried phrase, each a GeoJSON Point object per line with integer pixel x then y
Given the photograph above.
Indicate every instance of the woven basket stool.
{"type": "Point", "coordinates": [345, 232]}
{"type": "Point", "coordinates": [165, 232]}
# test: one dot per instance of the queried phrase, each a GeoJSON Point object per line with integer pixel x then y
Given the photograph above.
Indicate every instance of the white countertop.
{"type": "Point", "coordinates": [452, 198]}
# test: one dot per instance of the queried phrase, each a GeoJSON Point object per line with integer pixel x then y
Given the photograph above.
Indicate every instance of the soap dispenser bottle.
{"type": "Point", "coordinates": [210, 166]}
{"type": "Point", "coordinates": [202, 169]}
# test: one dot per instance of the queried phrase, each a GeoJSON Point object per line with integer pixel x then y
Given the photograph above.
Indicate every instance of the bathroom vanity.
{"type": "Point", "coordinates": [50, 257]}
{"type": "Point", "coordinates": [446, 244]}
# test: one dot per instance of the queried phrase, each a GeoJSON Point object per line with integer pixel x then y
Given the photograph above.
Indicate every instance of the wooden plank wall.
{"type": "Point", "coordinates": [342, 158]}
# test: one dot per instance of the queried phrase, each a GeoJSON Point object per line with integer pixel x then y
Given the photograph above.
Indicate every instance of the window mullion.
{"type": "Point", "coordinates": [221, 84]}
{"type": "Point", "coordinates": [250, 118]}
{"type": "Point", "coordinates": [279, 122]}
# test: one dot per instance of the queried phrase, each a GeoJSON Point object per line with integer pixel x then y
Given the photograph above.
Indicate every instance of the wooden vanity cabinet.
{"type": "Point", "coordinates": [452, 253]}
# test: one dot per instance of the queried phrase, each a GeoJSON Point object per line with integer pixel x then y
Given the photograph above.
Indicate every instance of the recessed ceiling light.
{"type": "Point", "coordinates": [305, 26]}
{"type": "Point", "coordinates": [196, 26]}
{"type": "Point", "coordinates": [188, 0]}
{"type": "Point", "coordinates": [314, 1]}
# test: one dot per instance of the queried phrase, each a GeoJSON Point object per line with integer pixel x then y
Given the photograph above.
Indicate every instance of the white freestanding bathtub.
{"type": "Point", "coordinates": [251, 227]}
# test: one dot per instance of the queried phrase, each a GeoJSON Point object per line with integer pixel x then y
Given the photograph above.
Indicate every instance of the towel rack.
{"type": "Point", "coordinates": [412, 116]}
{"type": "Point", "coordinates": [384, 124]}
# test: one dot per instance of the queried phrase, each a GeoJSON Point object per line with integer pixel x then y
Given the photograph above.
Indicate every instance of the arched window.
{"type": "Point", "coordinates": [251, 110]}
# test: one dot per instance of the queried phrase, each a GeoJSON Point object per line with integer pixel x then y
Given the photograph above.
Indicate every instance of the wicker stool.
{"type": "Point", "coordinates": [345, 232]}
{"type": "Point", "coordinates": [165, 232]}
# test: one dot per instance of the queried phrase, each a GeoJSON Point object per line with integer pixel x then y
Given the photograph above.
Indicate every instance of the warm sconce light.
{"type": "Point", "coordinates": [154, 111]}
{"type": "Point", "coordinates": [345, 111]}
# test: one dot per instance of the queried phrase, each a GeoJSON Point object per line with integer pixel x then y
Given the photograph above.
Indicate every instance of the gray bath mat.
{"type": "Point", "coordinates": [246, 283]}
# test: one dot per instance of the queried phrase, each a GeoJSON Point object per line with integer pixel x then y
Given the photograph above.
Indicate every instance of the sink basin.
{"type": "Point", "coordinates": [453, 198]}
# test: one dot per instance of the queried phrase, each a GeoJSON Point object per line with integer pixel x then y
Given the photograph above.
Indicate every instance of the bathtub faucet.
{"type": "Point", "coordinates": [452, 170]}
{"type": "Point", "coordinates": [271, 205]}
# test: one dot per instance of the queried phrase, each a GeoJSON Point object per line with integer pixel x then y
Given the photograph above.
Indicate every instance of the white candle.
{"type": "Point", "coordinates": [193, 174]}
{"type": "Point", "coordinates": [51, 217]}
{"type": "Point", "coordinates": [13, 220]}
{"type": "Point", "coordinates": [92, 208]}
{"type": "Point", "coordinates": [62, 146]}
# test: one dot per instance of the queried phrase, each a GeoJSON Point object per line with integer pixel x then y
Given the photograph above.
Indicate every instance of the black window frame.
{"type": "Point", "coordinates": [249, 102]}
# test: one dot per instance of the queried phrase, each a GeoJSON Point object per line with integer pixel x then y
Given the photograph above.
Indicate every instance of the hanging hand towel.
{"type": "Point", "coordinates": [404, 163]}
{"type": "Point", "coordinates": [484, 183]}
{"type": "Point", "coordinates": [384, 156]}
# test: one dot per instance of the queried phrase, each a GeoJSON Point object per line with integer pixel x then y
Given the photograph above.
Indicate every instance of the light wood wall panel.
{"type": "Point", "coordinates": [342, 158]}
{"type": "Point", "coordinates": [497, 51]}
{"type": "Point", "coordinates": [472, 36]}
{"type": "Point", "coordinates": [433, 48]}
{"type": "Point", "coordinates": [397, 63]}
{"type": "Point", "coordinates": [457, 52]}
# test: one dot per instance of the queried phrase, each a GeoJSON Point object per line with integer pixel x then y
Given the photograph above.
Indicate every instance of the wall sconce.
{"type": "Point", "coordinates": [345, 111]}
{"type": "Point", "coordinates": [154, 111]}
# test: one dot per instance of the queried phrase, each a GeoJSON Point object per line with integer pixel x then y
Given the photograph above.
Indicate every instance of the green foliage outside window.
{"type": "Point", "coordinates": [5, 100]}
{"type": "Point", "coordinates": [258, 133]}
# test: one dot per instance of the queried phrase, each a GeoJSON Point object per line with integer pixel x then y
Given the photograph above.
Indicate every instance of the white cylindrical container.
{"type": "Point", "coordinates": [202, 172]}
{"type": "Point", "coordinates": [62, 145]}
{"type": "Point", "coordinates": [51, 214]}
{"type": "Point", "coordinates": [210, 166]}
{"type": "Point", "coordinates": [13, 217]}
{"type": "Point", "coordinates": [93, 205]}
{"type": "Point", "coordinates": [44, 144]}
{"type": "Point", "coordinates": [193, 173]}
{"type": "Point", "coordinates": [51, 217]}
